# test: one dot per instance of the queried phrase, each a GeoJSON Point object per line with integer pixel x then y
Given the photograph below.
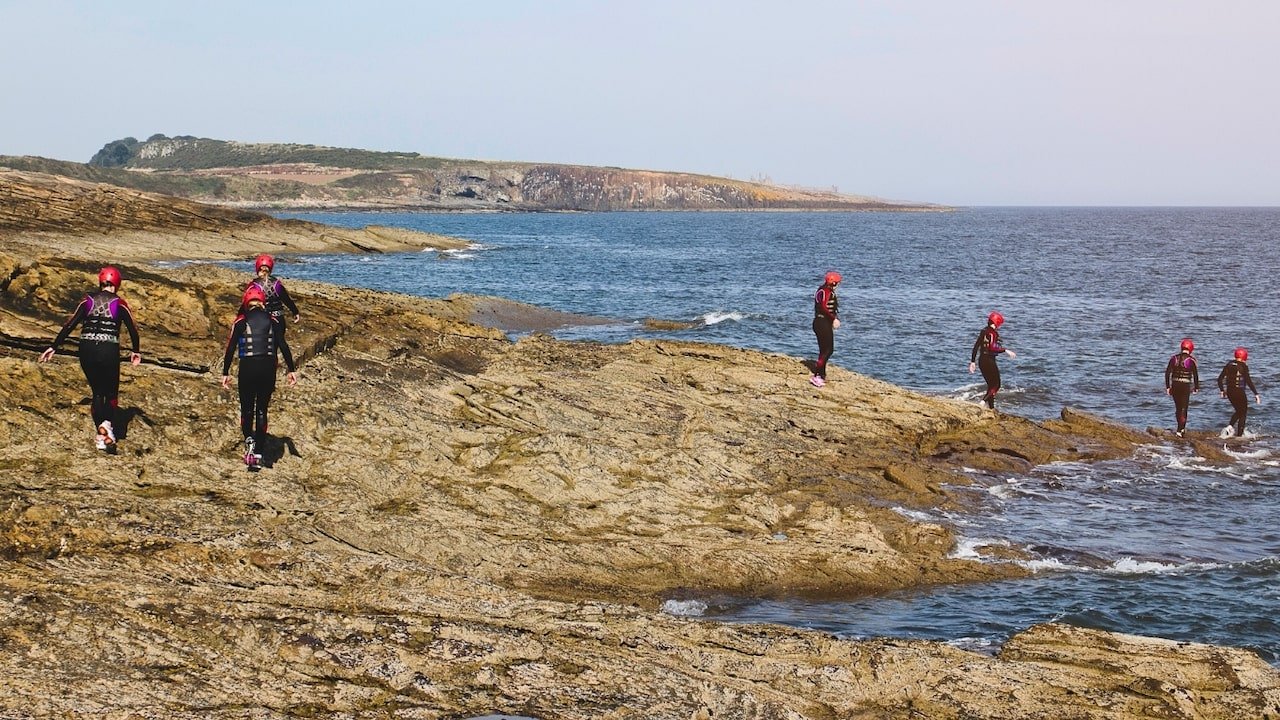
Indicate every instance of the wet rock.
{"type": "Point", "coordinates": [454, 524]}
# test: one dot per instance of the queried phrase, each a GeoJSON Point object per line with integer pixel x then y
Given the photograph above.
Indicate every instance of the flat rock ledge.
{"type": "Point", "coordinates": [453, 524]}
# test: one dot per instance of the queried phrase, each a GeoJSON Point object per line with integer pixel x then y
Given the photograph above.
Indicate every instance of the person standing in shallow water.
{"type": "Point", "coordinates": [102, 313]}
{"type": "Point", "coordinates": [1232, 381]}
{"type": "Point", "coordinates": [983, 356]}
{"type": "Point", "coordinates": [257, 338]}
{"type": "Point", "coordinates": [826, 320]}
{"type": "Point", "coordinates": [1181, 379]}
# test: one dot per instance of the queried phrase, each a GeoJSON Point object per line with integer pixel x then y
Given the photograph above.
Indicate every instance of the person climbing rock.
{"type": "Point", "coordinates": [1181, 379]}
{"type": "Point", "coordinates": [257, 338]}
{"type": "Point", "coordinates": [826, 320]}
{"type": "Point", "coordinates": [1232, 381]}
{"type": "Point", "coordinates": [102, 313]}
{"type": "Point", "coordinates": [983, 356]}
{"type": "Point", "coordinates": [277, 296]}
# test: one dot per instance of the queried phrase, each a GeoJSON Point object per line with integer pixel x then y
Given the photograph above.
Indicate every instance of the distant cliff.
{"type": "Point", "coordinates": [309, 176]}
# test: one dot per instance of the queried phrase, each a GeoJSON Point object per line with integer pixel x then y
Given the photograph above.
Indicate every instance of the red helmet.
{"type": "Point", "coordinates": [1242, 354]}
{"type": "Point", "coordinates": [253, 294]}
{"type": "Point", "coordinates": [264, 260]}
{"type": "Point", "coordinates": [109, 276]}
{"type": "Point", "coordinates": [995, 318]}
{"type": "Point", "coordinates": [831, 278]}
{"type": "Point", "coordinates": [1188, 345]}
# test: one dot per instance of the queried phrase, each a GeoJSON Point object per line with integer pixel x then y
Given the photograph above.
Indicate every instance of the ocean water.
{"type": "Point", "coordinates": [1095, 300]}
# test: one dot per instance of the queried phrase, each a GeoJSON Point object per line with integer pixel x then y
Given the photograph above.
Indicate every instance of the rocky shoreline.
{"type": "Point", "coordinates": [453, 524]}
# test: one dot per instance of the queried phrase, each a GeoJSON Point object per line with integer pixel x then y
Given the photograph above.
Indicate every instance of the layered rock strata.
{"type": "Point", "coordinates": [453, 524]}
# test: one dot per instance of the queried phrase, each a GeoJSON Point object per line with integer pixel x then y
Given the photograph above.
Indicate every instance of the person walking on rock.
{"type": "Point", "coordinates": [826, 320]}
{"type": "Point", "coordinates": [103, 313]}
{"type": "Point", "coordinates": [1181, 379]}
{"type": "Point", "coordinates": [277, 297]}
{"type": "Point", "coordinates": [1232, 381]}
{"type": "Point", "coordinates": [256, 337]}
{"type": "Point", "coordinates": [983, 356]}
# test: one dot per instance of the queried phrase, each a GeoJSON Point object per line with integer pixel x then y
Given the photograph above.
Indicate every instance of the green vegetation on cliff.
{"type": "Point", "coordinates": [285, 176]}
{"type": "Point", "coordinates": [185, 152]}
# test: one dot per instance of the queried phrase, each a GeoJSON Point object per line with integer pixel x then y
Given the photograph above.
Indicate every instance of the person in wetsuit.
{"type": "Point", "coordinates": [102, 313]}
{"type": "Point", "coordinates": [273, 290]}
{"type": "Point", "coordinates": [1181, 379]}
{"type": "Point", "coordinates": [826, 319]}
{"type": "Point", "coordinates": [1232, 381]}
{"type": "Point", "coordinates": [983, 356]}
{"type": "Point", "coordinates": [256, 337]}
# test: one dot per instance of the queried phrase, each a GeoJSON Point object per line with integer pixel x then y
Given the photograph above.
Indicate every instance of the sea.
{"type": "Point", "coordinates": [1163, 543]}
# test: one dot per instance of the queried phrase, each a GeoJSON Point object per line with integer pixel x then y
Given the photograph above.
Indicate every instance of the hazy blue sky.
{"type": "Point", "coordinates": [1114, 102]}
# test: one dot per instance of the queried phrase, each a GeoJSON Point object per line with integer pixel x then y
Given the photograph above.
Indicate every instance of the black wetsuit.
{"type": "Point", "coordinates": [102, 313]}
{"type": "Point", "coordinates": [277, 299]}
{"type": "Point", "coordinates": [256, 337]}
{"type": "Point", "coordinates": [1181, 378]}
{"type": "Point", "coordinates": [985, 350]}
{"type": "Point", "coordinates": [1233, 379]}
{"type": "Point", "coordinates": [826, 309]}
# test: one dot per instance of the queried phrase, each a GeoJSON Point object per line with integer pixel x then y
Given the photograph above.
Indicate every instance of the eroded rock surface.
{"type": "Point", "coordinates": [453, 524]}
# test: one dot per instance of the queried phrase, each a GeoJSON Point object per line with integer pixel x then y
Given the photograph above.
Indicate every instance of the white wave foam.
{"type": "Point", "coordinates": [967, 548]}
{"type": "Point", "coordinates": [915, 515]}
{"type": "Point", "coordinates": [472, 247]}
{"type": "Point", "coordinates": [985, 646]}
{"type": "Point", "coordinates": [1130, 566]}
{"type": "Point", "coordinates": [684, 608]}
{"type": "Point", "coordinates": [1009, 490]}
{"type": "Point", "coordinates": [716, 317]}
{"type": "Point", "coordinates": [1252, 455]}
{"type": "Point", "coordinates": [1051, 565]}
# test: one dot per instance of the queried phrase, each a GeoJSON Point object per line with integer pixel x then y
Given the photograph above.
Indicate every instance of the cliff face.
{"type": "Point", "coordinates": [452, 524]}
{"type": "Point", "coordinates": [297, 176]}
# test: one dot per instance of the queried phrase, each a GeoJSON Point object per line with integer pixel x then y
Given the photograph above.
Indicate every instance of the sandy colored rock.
{"type": "Point", "coordinates": [453, 524]}
{"type": "Point", "coordinates": [48, 214]}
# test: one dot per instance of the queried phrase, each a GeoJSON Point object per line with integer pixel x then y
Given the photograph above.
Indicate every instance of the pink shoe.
{"type": "Point", "coordinates": [817, 381]}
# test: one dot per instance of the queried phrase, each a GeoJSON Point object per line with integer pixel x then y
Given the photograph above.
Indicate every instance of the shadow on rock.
{"type": "Point", "coordinates": [125, 417]}
{"type": "Point", "coordinates": [274, 448]}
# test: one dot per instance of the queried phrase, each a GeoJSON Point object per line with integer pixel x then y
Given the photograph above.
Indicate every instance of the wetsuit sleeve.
{"type": "Point", "coordinates": [1248, 380]}
{"type": "Point", "coordinates": [284, 298]}
{"type": "Point", "coordinates": [237, 332]}
{"type": "Point", "coordinates": [284, 348]}
{"type": "Point", "coordinates": [977, 345]}
{"type": "Point", "coordinates": [1168, 374]}
{"type": "Point", "coordinates": [76, 318]}
{"type": "Point", "coordinates": [126, 319]}
{"type": "Point", "coordinates": [1195, 373]}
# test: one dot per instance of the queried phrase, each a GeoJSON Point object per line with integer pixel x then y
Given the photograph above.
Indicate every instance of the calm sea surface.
{"type": "Point", "coordinates": [1095, 301]}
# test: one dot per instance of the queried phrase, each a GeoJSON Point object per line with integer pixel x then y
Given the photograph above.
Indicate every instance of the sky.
{"type": "Point", "coordinates": [962, 102]}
